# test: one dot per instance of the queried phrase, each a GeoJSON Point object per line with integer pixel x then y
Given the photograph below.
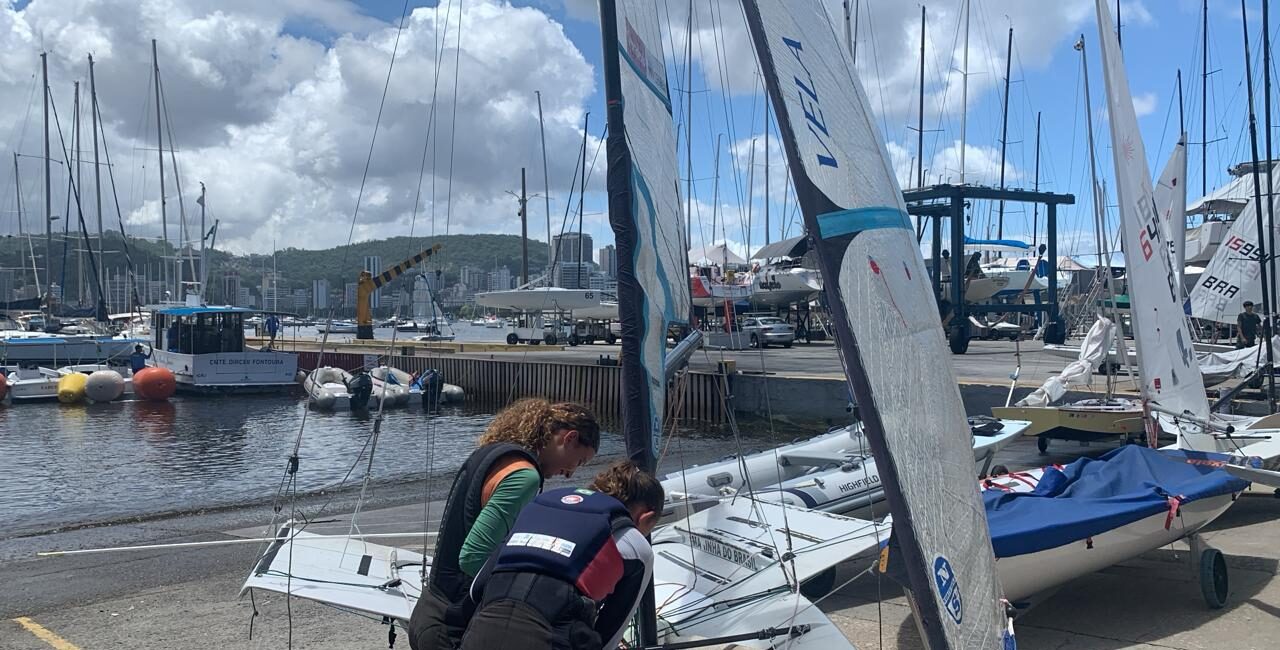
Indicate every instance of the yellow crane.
{"type": "Point", "coordinates": [367, 283]}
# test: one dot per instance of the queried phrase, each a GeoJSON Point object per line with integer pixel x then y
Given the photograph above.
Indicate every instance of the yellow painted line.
{"type": "Point", "coordinates": [43, 633]}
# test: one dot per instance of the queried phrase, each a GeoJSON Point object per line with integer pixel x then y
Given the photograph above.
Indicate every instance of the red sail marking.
{"type": "Point", "coordinates": [875, 268]}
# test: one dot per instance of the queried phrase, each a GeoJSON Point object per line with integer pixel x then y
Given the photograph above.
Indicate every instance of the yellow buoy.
{"type": "Point", "coordinates": [71, 387]}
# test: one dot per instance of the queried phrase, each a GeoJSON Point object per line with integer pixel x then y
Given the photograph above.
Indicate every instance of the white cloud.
{"type": "Point", "coordinates": [1145, 103]}
{"type": "Point", "coordinates": [278, 125]}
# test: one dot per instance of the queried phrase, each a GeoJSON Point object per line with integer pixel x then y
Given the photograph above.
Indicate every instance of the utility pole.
{"type": "Point", "coordinates": [164, 218]}
{"type": "Point", "coordinates": [97, 170]}
{"type": "Point", "coordinates": [1004, 130]}
{"type": "Point", "coordinates": [524, 231]}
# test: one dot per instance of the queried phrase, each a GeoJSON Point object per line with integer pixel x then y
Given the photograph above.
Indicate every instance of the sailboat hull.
{"type": "Point", "coordinates": [1076, 423]}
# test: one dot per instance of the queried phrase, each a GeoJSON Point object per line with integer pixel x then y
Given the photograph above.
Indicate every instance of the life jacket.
{"type": "Point", "coordinates": [567, 534]}
{"type": "Point", "coordinates": [464, 505]}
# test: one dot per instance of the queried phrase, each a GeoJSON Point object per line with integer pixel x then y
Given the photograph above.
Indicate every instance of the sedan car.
{"type": "Point", "coordinates": [769, 330]}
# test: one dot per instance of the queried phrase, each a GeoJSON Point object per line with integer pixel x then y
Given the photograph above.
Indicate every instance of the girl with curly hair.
{"type": "Point", "coordinates": [527, 442]}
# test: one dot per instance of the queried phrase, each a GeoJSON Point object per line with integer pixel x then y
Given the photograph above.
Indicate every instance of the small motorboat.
{"type": "Point", "coordinates": [332, 389]}
{"type": "Point", "coordinates": [391, 385]}
{"type": "Point", "coordinates": [429, 387]}
{"type": "Point", "coordinates": [337, 327]}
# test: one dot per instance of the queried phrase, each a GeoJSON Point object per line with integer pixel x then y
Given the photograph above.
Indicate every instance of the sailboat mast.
{"type": "Point", "coordinates": [1204, 101]}
{"type": "Point", "coordinates": [1004, 130]}
{"type": "Point", "coordinates": [1257, 200]}
{"type": "Point", "coordinates": [204, 260]}
{"type": "Point", "coordinates": [97, 169]}
{"type": "Point", "coordinates": [49, 192]}
{"type": "Point", "coordinates": [920, 108]}
{"type": "Point", "coordinates": [1098, 213]}
{"type": "Point", "coordinates": [688, 130]}
{"type": "Point", "coordinates": [1266, 123]}
{"type": "Point", "coordinates": [75, 162]}
{"type": "Point", "coordinates": [766, 172]}
{"type": "Point", "coordinates": [1035, 207]}
{"type": "Point", "coordinates": [164, 218]}
{"type": "Point", "coordinates": [964, 92]}
{"type": "Point", "coordinates": [546, 184]}
{"type": "Point", "coordinates": [524, 231]}
{"type": "Point", "coordinates": [848, 35]}
{"type": "Point", "coordinates": [582, 193]}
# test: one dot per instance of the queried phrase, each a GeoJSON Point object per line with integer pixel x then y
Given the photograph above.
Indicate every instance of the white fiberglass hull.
{"type": "Point", "coordinates": [540, 299]}
{"type": "Point", "coordinates": [34, 347]}
{"type": "Point", "coordinates": [779, 287]}
{"type": "Point", "coordinates": [1023, 576]}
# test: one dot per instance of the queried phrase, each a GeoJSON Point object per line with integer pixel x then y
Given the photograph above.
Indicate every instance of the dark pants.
{"type": "Point", "coordinates": [427, 627]}
{"type": "Point", "coordinates": [510, 625]}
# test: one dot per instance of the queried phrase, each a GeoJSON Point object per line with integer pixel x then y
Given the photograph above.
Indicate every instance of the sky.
{"type": "Point", "coordinates": [273, 106]}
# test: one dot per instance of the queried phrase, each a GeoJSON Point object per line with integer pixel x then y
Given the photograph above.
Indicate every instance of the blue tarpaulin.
{"type": "Point", "coordinates": [1092, 496]}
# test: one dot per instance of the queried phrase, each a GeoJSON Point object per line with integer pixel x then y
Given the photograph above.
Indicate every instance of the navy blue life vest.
{"type": "Point", "coordinates": [568, 534]}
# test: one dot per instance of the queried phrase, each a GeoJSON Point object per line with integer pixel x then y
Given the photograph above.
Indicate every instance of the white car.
{"type": "Point", "coordinates": [769, 330]}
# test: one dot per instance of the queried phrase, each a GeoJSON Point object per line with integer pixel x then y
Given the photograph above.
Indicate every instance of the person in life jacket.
{"type": "Point", "coordinates": [527, 442]}
{"type": "Point", "coordinates": [571, 573]}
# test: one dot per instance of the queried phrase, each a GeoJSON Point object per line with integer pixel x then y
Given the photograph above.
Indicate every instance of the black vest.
{"type": "Point", "coordinates": [460, 513]}
{"type": "Point", "coordinates": [567, 534]}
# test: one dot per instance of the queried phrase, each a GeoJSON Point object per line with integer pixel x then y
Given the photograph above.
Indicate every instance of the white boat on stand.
{"type": "Point", "coordinates": [34, 383]}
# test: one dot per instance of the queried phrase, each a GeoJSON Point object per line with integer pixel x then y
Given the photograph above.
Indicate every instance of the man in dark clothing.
{"type": "Point", "coordinates": [1247, 324]}
{"type": "Point", "coordinates": [273, 326]}
{"type": "Point", "coordinates": [138, 360]}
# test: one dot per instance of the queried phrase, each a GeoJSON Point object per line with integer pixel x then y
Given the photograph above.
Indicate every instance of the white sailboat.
{"type": "Point", "coordinates": [1097, 512]}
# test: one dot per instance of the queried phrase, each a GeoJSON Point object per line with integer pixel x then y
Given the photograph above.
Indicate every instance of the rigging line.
{"type": "Point", "coordinates": [124, 240]}
{"type": "Point", "coordinates": [427, 141]}
{"type": "Point", "coordinates": [72, 189]}
{"type": "Point", "coordinates": [177, 179]}
{"type": "Point", "coordinates": [725, 96]}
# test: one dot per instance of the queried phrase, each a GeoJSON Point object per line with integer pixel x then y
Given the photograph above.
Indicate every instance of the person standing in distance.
{"type": "Point", "coordinates": [528, 441]}
{"type": "Point", "coordinates": [1247, 324]}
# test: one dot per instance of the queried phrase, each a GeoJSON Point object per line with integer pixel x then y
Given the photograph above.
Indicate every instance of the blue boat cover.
{"type": "Point", "coordinates": [1092, 496]}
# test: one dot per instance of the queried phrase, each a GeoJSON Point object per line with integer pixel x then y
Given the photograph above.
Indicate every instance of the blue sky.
{"type": "Point", "coordinates": [271, 135]}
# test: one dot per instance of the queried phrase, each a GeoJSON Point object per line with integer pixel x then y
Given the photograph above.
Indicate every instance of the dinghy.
{"type": "Point", "coordinates": [335, 389]}
{"type": "Point", "coordinates": [390, 386]}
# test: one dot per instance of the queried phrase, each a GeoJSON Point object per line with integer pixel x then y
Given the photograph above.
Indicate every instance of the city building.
{"type": "Point", "coordinates": [372, 264]}
{"type": "Point", "coordinates": [349, 296]}
{"type": "Point", "coordinates": [501, 280]}
{"type": "Point", "coordinates": [573, 276]}
{"type": "Point", "coordinates": [231, 287]}
{"type": "Point", "coordinates": [320, 294]}
{"type": "Point", "coordinates": [568, 249]}
{"type": "Point", "coordinates": [301, 299]}
{"type": "Point", "coordinates": [244, 298]}
{"type": "Point", "coordinates": [6, 285]}
{"type": "Point", "coordinates": [475, 279]}
{"type": "Point", "coordinates": [609, 261]}
{"type": "Point", "coordinates": [270, 291]}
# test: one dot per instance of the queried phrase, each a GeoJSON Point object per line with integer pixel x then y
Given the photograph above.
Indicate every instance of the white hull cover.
{"type": "Point", "coordinates": [871, 266]}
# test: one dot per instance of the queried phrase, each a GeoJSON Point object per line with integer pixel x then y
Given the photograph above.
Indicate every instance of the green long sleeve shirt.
{"type": "Point", "coordinates": [494, 522]}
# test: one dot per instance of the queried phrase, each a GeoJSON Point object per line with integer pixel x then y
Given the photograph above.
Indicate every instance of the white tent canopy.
{"type": "Point", "coordinates": [715, 254]}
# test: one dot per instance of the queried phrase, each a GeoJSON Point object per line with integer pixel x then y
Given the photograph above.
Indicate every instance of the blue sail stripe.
{"type": "Point", "coordinates": [845, 222]}
{"type": "Point", "coordinates": [640, 75]}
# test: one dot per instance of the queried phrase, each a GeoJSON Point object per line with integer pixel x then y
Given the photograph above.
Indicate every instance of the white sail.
{"type": "Point", "coordinates": [1167, 365]}
{"type": "Point", "coordinates": [1171, 200]}
{"type": "Point", "coordinates": [1093, 350]}
{"type": "Point", "coordinates": [886, 322]}
{"type": "Point", "coordinates": [1232, 276]}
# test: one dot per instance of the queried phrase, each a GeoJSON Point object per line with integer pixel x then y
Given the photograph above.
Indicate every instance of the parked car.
{"type": "Point", "coordinates": [769, 330]}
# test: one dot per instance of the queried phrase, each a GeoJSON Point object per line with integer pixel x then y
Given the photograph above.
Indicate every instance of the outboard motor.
{"type": "Point", "coordinates": [360, 387]}
{"type": "Point", "coordinates": [432, 383]}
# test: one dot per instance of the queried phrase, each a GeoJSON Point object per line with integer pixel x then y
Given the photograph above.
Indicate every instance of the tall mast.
{"type": "Point", "coordinates": [164, 218]}
{"type": "Point", "coordinates": [920, 111]}
{"type": "Point", "coordinates": [546, 185]}
{"type": "Point", "coordinates": [1266, 123]}
{"type": "Point", "coordinates": [853, 54]}
{"type": "Point", "coordinates": [1004, 129]}
{"type": "Point", "coordinates": [1204, 101]}
{"type": "Point", "coordinates": [48, 188]}
{"type": "Point", "coordinates": [1035, 207]}
{"type": "Point", "coordinates": [204, 260]}
{"type": "Point", "coordinates": [1257, 200]}
{"type": "Point", "coordinates": [1119, 27]}
{"type": "Point", "coordinates": [766, 173]}
{"type": "Point", "coordinates": [582, 193]}
{"type": "Point", "coordinates": [848, 34]}
{"type": "Point", "coordinates": [1099, 215]}
{"type": "Point", "coordinates": [75, 161]}
{"type": "Point", "coordinates": [688, 131]}
{"type": "Point", "coordinates": [97, 169]}
{"type": "Point", "coordinates": [964, 91]}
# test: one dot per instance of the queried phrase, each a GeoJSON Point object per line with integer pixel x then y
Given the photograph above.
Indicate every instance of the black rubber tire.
{"type": "Point", "coordinates": [959, 341]}
{"type": "Point", "coordinates": [512, 339]}
{"type": "Point", "coordinates": [574, 340]}
{"type": "Point", "coordinates": [549, 338]}
{"type": "Point", "coordinates": [1214, 581]}
{"type": "Point", "coordinates": [1042, 444]}
{"type": "Point", "coordinates": [788, 344]}
{"type": "Point", "coordinates": [819, 585]}
{"type": "Point", "coordinates": [610, 338]}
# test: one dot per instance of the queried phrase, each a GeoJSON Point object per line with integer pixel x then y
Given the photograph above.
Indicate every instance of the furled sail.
{"type": "Point", "coordinates": [894, 353]}
{"type": "Point", "coordinates": [1171, 200]}
{"type": "Point", "coordinates": [1232, 276]}
{"type": "Point", "coordinates": [644, 210]}
{"type": "Point", "coordinates": [1166, 359]}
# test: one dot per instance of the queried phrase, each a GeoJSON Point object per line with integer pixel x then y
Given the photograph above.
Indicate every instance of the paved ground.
{"type": "Point", "coordinates": [188, 598]}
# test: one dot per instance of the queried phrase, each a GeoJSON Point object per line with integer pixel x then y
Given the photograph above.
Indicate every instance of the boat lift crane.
{"type": "Point", "coordinates": [368, 282]}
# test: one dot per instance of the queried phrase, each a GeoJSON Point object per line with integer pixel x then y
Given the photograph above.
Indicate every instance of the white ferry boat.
{"type": "Point", "coordinates": [204, 347]}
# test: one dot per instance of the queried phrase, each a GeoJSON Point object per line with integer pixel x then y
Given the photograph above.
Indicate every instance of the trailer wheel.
{"type": "Point", "coordinates": [610, 338]}
{"type": "Point", "coordinates": [574, 340]}
{"type": "Point", "coordinates": [512, 339]}
{"type": "Point", "coordinates": [819, 585]}
{"type": "Point", "coordinates": [1042, 444]}
{"type": "Point", "coordinates": [549, 338]}
{"type": "Point", "coordinates": [1214, 583]}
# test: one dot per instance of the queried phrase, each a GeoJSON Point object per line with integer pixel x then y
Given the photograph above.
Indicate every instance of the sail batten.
{"type": "Point", "coordinates": [644, 212]}
{"type": "Point", "coordinates": [886, 323]}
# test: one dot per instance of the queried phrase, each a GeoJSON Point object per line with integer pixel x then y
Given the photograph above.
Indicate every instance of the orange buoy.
{"type": "Point", "coordinates": [154, 383]}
